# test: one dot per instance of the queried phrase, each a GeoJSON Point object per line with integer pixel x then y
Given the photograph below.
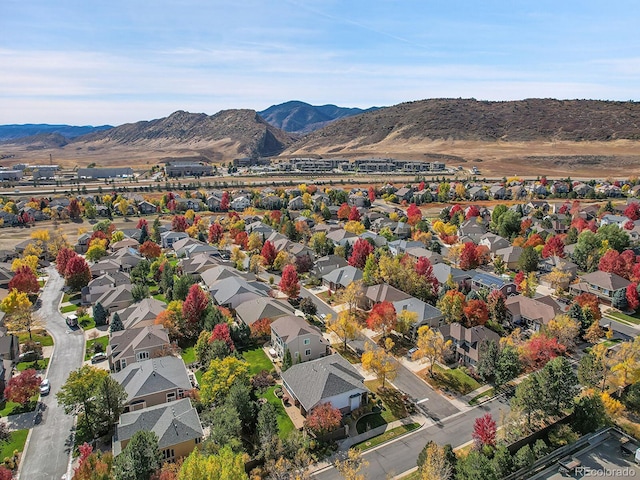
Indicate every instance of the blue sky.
{"type": "Point", "coordinates": [97, 62]}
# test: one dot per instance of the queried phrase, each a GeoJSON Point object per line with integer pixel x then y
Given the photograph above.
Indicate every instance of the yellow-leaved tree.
{"type": "Point", "coordinates": [379, 362]}
{"type": "Point", "coordinates": [20, 318]}
{"type": "Point", "coordinates": [344, 326]}
{"type": "Point", "coordinates": [431, 346]}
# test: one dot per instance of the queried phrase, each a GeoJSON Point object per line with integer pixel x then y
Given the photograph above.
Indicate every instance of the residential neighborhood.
{"type": "Point", "coordinates": [299, 332]}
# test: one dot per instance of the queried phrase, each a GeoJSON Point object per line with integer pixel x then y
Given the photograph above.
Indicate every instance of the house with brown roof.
{"type": "Point", "coordinates": [602, 284]}
{"type": "Point", "coordinates": [136, 344]}
{"type": "Point", "coordinates": [468, 342]}
{"type": "Point", "coordinates": [142, 313]}
{"type": "Point", "coordinates": [533, 313]}
{"type": "Point", "coordinates": [380, 293]}
{"type": "Point", "coordinates": [305, 342]}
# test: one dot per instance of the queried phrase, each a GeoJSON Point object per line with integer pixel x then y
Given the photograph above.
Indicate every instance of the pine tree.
{"type": "Point", "coordinates": [116, 323]}
{"type": "Point", "coordinates": [286, 360]}
{"type": "Point", "coordinates": [144, 235]}
{"type": "Point", "coordinates": [100, 314]}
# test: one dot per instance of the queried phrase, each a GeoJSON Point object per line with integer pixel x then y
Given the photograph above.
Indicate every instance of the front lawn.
{"type": "Point", "coordinates": [12, 408]}
{"type": "Point", "coordinates": [394, 407]}
{"type": "Point", "coordinates": [160, 296]}
{"type": "Point", "coordinates": [369, 422]}
{"type": "Point", "coordinates": [87, 323]}
{"type": "Point", "coordinates": [489, 393]}
{"type": "Point", "coordinates": [188, 355]}
{"type": "Point", "coordinates": [17, 439]}
{"type": "Point", "coordinates": [386, 436]}
{"type": "Point", "coordinates": [69, 308]}
{"type": "Point", "coordinates": [634, 319]}
{"type": "Point", "coordinates": [285, 425]}
{"type": "Point", "coordinates": [347, 354]}
{"type": "Point", "coordinates": [36, 365]}
{"type": "Point", "coordinates": [450, 379]}
{"type": "Point", "coordinates": [104, 341]}
{"type": "Point", "coordinates": [257, 360]}
{"type": "Point", "coordinates": [71, 298]}
{"type": "Point", "coordinates": [41, 336]}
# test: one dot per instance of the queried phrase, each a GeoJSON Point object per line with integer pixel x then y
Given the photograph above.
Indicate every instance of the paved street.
{"type": "Point", "coordinates": [399, 456]}
{"type": "Point", "coordinates": [47, 454]}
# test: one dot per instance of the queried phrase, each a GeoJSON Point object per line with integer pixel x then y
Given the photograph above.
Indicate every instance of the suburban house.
{"type": "Point", "coordinates": [258, 308]}
{"type": "Point", "coordinates": [494, 242]}
{"type": "Point", "coordinates": [467, 341]}
{"type": "Point", "coordinates": [533, 313]}
{"type": "Point", "coordinates": [510, 256]}
{"type": "Point", "coordinates": [176, 424]}
{"type": "Point", "coordinates": [425, 314]}
{"type": "Point", "coordinates": [233, 291]}
{"type": "Point", "coordinates": [116, 298]}
{"type": "Point", "coordinates": [491, 282]}
{"type": "Point", "coordinates": [329, 379]}
{"type": "Point", "coordinates": [443, 272]}
{"type": "Point", "coordinates": [380, 293]}
{"type": "Point", "coordinates": [136, 344]}
{"type": "Point", "coordinates": [142, 313]}
{"type": "Point", "coordinates": [9, 347]}
{"type": "Point", "coordinates": [103, 267]}
{"type": "Point", "coordinates": [602, 284]}
{"type": "Point", "coordinates": [153, 382]}
{"type": "Point", "coordinates": [305, 342]}
{"type": "Point", "coordinates": [327, 264]}
{"type": "Point", "coordinates": [168, 238]}
{"type": "Point", "coordinates": [104, 283]}
{"type": "Point", "coordinates": [341, 277]}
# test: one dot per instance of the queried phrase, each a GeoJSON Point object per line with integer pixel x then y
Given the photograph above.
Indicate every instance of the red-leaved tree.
{"type": "Point", "coordinates": [484, 431]}
{"type": "Point", "coordinates": [225, 201]}
{"type": "Point", "coordinates": [261, 328]}
{"type": "Point", "coordinates": [476, 312]}
{"type": "Point", "coordinates": [354, 214]}
{"type": "Point", "coordinates": [539, 349]}
{"type": "Point", "coordinates": [323, 419]}
{"type": "Point", "coordinates": [64, 255]}
{"type": "Point", "coordinates": [142, 223]}
{"type": "Point", "coordinates": [468, 256]}
{"type": "Point", "coordinates": [382, 318]}
{"type": "Point", "coordinates": [150, 249]}
{"type": "Point", "coordinates": [414, 214]}
{"type": "Point", "coordinates": [77, 274]}
{"type": "Point", "coordinates": [23, 386]}
{"type": "Point", "coordinates": [74, 208]}
{"type": "Point", "coordinates": [632, 212]}
{"type": "Point", "coordinates": [179, 223]}
{"type": "Point", "coordinates": [195, 304]}
{"type": "Point", "coordinates": [24, 280]}
{"type": "Point", "coordinates": [591, 302]}
{"type": "Point", "coordinates": [222, 333]}
{"type": "Point", "coordinates": [5, 474]}
{"type": "Point", "coordinates": [372, 194]}
{"type": "Point", "coordinates": [289, 282]}
{"type": "Point", "coordinates": [632, 296]}
{"type": "Point", "coordinates": [361, 250]}
{"type": "Point", "coordinates": [215, 232]}
{"type": "Point", "coordinates": [344, 211]}
{"type": "Point", "coordinates": [619, 263]}
{"type": "Point", "coordinates": [553, 247]}
{"type": "Point", "coordinates": [241, 239]}
{"type": "Point", "coordinates": [269, 253]}
{"type": "Point", "coordinates": [472, 212]}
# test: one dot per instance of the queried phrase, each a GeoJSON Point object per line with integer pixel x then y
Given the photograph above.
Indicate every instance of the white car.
{"type": "Point", "coordinates": [45, 387]}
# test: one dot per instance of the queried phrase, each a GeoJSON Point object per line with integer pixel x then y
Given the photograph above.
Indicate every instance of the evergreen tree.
{"type": "Point", "coordinates": [144, 235]}
{"type": "Point", "coordinates": [155, 231]}
{"type": "Point", "coordinates": [489, 356]}
{"type": "Point", "coordinates": [116, 324]}
{"type": "Point", "coordinates": [286, 360]}
{"type": "Point", "coordinates": [589, 414]}
{"type": "Point", "coordinates": [100, 314]}
{"type": "Point", "coordinates": [508, 366]}
{"type": "Point", "coordinates": [559, 385]}
{"type": "Point", "coordinates": [139, 459]}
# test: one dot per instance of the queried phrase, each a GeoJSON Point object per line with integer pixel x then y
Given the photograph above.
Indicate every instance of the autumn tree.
{"type": "Point", "coordinates": [289, 282]}
{"type": "Point", "coordinates": [350, 464]}
{"type": "Point", "coordinates": [350, 295]}
{"type": "Point", "coordinates": [261, 328]}
{"type": "Point", "coordinates": [383, 365]}
{"type": "Point", "coordinates": [484, 431]}
{"type": "Point", "coordinates": [223, 465]}
{"type": "Point", "coordinates": [93, 465]}
{"type": "Point", "coordinates": [565, 329]}
{"type": "Point", "coordinates": [220, 376]}
{"type": "Point", "coordinates": [195, 304]}
{"type": "Point", "coordinates": [21, 388]}
{"type": "Point", "coordinates": [63, 257]}
{"type": "Point", "coordinates": [323, 419]}
{"type": "Point", "coordinates": [468, 256]}
{"type": "Point", "coordinates": [431, 346]}
{"type": "Point", "coordinates": [382, 318]}
{"type": "Point", "coordinates": [361, 250]}
{"type": "Point", "coordinates": [150, 250]}
{"type": "Point", "coordinates": [434, 463]}
{"type": "Point", "coordinates": [344, 326]}
{"type": "Point", "coordinates": [269, 253]}
{"type": "Point", "coordinates": [24, 280]}
{"type": "Point", "coordinates": [222, 333]}
{"type": "Point", "coordinates": [553, 247]}
{"type": "Point", "coordinates": [77, 273]}
{"type": "Point", "coordinates": [496, 304]}
{"type": "Point", "coordinates": [225, 201]}
{"type": "Point", "coordinates": [343, 212]}
{"type": "Point", "coordinates": [539, 349]}
{"type": "Point", "coordinates": [452, 306]}
{"type": "Point", "coordinates": [475, 313]}
{"type": "Point", "coordinates": [20, 317]}
{"type": "Point", "coordinates": [215, 233]}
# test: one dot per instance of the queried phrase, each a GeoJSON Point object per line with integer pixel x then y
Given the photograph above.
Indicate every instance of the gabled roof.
{"type": "Point", "coordinates": [151, 376]}
{"type": "Point", "coordinates": [173, 423]}
{"type": "Point", "coordinates": [489, 280]}
{"type": "Point", "coordinates": [423, 310]}
{"type": "Point", "coordinates": [608, 281]}
{"type": "Point", "coordinates": [343, 276]}
{"type": "Point", "coordinates": [145, 310]}
{"type": "Point", "coordinates": [533, 309]}
{"type": "Point", "coordinates": [291, 326]}
{"type": "Point", "coordinates": [124, 342]}
{"type": "Point", "coordinates": [219, 272]}
{"type": "Point", "coordinates": [384, 293]}
{"type": "Point", "coordinates": [318, 380]}
{"type": "Point", "coordinates": [258, 308]}
{"type": "Point", "coordinates": [235, 290]}
{"type": "Point", "coordinates": [121, 293]}
{"type": "Point", "coordinates": [473, 337]}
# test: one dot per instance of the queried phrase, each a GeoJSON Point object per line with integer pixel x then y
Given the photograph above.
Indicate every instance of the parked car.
{"type": "Point", "coordinates": [30, 356]}
{"type": "Point", "coordinates": [45, 387]}
{"type": "Point", "coordinates": [72, 320]}
{"type": "Point", "coordinates": [98, 357]}
{"type": "Point", "coordinates": [411, 351]}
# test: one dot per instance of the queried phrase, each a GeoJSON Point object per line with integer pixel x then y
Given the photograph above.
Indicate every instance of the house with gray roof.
{"type": "Point", "coordinates": [342, 277]}
{"type": "Point", "coordinates": [104, 283]}
{"type": "Point", "coordinates": [176, 424]}
{"type": "Point", "coordinates": [153, 382]}
{"type": "Point", "coordinates": [490, 282]}
{"type": "Point", "coordinates": [533, 313]}
{"type": "Point", "coordinates": [329, 379]}
{"type": "Point", "coordinates": [232, 291]}
{"type": "Point", "coordinates": [425, 314]}
{"type": "Point", "coordinates": [168, 238]}
{"type": "Point", "coordinates": [305, 342]}
{"type": "Point", "coordinates": [116, 298]}
{"type": "Point", "coordinates": [257, 308]}
{"type": "Point", "coordinates": [443, 271]}
{"type": "Point", "coordinates": [382, 292]}
{"type": "Point", "coordinates": [468, 342]}
{"type": "Point", "coordinates": [142, 313]}
{"type": "Point", "coordinates": [327, 264]}
{"type": "Point", "coordinates": [136, 344]}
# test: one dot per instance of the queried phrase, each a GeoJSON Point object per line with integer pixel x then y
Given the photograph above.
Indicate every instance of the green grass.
{"type": "Point", "coordinates": [71, 298]}
{"type": "Point", "coordinates": [69, 308]}
{"type": "Point", "coordinates": [41, 283]}
{"type": "Point", "coordinates": [285, 425]}
{"type": "Point", "coordinates": [415, 475]}
{"type": "Point", "coordinates": [161, 297]}
{"type": "Point", "coordinates": [394, 408]}
{"type": "Point", "coordinates": [257, 360]}
{"type": "Point", "coordinates": [199, 374]}
{"type": "Point", "coordinates": [12, 408]}
{"type": "Point", "coordinates": [369, 422]}
{"type": "Point", "coordinates": [89, 350]}
{"type": "Point", "coordinates": [634, 319]}
{"type": "Point", "coordinates": [188, 355]}
{"type": "Point", "coordinates": [16, 442]}
{"type": "Point", "coordinates": [489, 393]}
{"type": "Point", "coordinates": [41, 336]}
{"type": "Point", "coordinates": [451, 379]}
{"type": "Point", "coordinates": [38, 365]}
{"type": "Point", "coordinates": [87, 323]}
{"type": "Point", "coordinates": [386, 436]}
{"type": "Point", "coordinates": [347, 354]}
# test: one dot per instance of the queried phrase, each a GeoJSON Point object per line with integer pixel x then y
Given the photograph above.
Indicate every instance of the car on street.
{"type": "Point", "coordinates": [98, 357]}
{"type": "Point", "coordinates": [45, 387]}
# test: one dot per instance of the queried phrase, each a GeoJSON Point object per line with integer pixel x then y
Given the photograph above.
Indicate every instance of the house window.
{"type": "Point", "coordinates": [123, 363]}
{"type": "Point", "coordinates": [198, 440]}
{"type": "Point", "coordinates": [171, 396]}
{"type": "Point", "coordinates": [168, 454]}
{"type": "Point", "coordinates": [142, 356]}
{"type": "Point", "coordinates": [307, 341]}
{"type": "Point", "coordinates": [180, 393]}
{"type": "Point", "coordinates": [307, 352]}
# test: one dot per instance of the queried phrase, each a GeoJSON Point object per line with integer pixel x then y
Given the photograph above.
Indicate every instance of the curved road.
{"type": "Point", "coordinates": [46, 456]}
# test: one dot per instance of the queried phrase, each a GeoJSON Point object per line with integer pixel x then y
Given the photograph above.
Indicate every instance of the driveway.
{"type": "Point", "coordinates": [46, 456]}
{"type": "Point", "coordinates": [398, 456]}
